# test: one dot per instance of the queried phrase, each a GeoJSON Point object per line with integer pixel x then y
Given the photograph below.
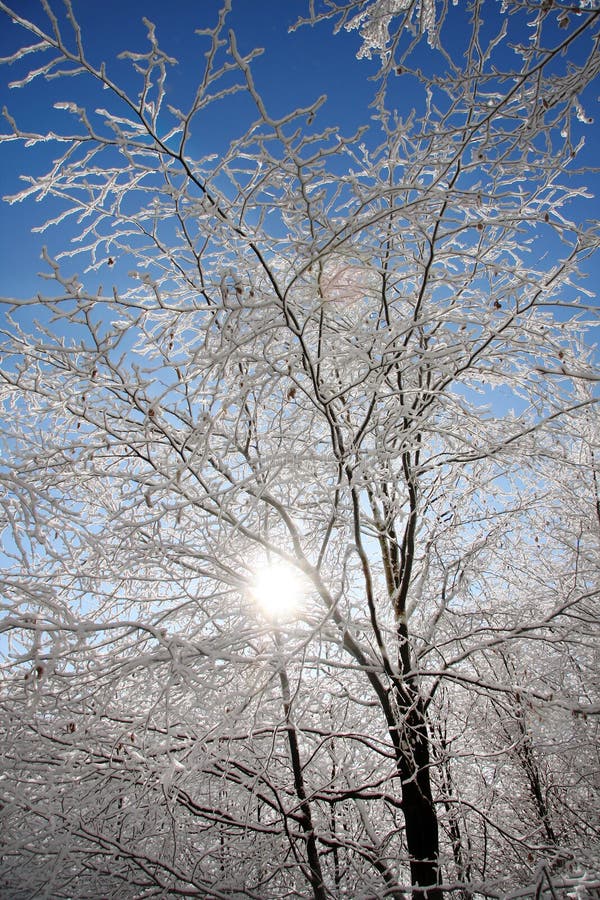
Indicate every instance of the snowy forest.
{"type": "Point", "coordinates": [299, 476]}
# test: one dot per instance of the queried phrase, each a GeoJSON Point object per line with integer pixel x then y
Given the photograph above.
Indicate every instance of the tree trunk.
{"type": "Point", "coordinates": [314, 874]}
{"type": "Point", "coordinates": [461, 849]}
{"type": "Point", "coordinates": [413, 763]}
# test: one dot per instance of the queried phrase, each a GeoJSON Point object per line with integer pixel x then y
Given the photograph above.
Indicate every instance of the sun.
{"type": "Point", "coordinates": [277, 590]}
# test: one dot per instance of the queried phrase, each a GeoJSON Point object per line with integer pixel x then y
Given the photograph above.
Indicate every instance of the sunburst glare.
{"type": "Point", "coordinates": [277, 590]}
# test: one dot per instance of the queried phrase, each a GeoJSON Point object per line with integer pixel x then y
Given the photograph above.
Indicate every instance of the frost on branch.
{"type": "Point", "coordinates": [299, 491]}
{"type": "Point", "coordinates": [374, 23]}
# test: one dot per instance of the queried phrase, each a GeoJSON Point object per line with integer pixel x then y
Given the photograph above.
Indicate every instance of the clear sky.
{"type": "Point", "coordinates": [295, 69]}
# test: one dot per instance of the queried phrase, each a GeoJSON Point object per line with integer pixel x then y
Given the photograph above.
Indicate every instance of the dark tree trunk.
{"type": "Point", "coordinates": [412, 736]}
{"type": "Point", "coordinates": [314, 873]}
{"type": "Point", "coordinates": [404, 709]}
{"type": "Point", "coordinates": [413, 762]}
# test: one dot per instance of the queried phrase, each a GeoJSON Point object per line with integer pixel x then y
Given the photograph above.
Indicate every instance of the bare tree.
{"type": "Point", "coordinates": [355, 363]}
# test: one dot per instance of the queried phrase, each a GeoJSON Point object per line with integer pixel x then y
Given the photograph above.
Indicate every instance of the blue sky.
{"type": "Point", "coordinates": [295, 69]}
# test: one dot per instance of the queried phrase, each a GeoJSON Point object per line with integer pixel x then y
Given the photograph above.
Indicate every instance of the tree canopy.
{"type": "Point", "coordinates": [299, 489]}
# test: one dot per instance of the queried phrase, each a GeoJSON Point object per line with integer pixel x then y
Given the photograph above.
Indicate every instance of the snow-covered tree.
{"type": "Point", "coordinates": [300, 480]}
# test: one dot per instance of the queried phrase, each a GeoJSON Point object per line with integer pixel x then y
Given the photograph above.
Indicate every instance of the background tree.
{"type": "Point", "coordinates": [344, 371]}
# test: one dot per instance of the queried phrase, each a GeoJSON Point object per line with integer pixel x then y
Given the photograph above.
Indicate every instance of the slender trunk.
{"type": "Point", "coordinates": [460, 843]}
{"type": "Point", "coordinates": [314, 874]}
{"type": "Point", "coordinates": [526, 755]}
{"type": "Point", "coordinates": [337, 875]}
